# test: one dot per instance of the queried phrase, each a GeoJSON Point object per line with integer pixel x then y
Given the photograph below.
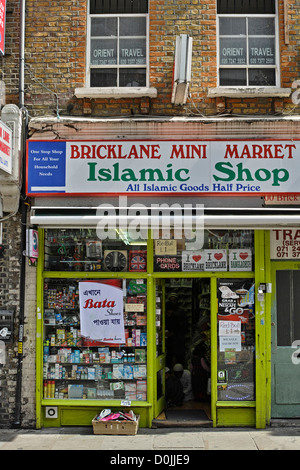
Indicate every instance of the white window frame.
{"type": "Point", "coordinates": [248, 66]}
{"type": "Point", "coordinates": [118, 38]}
{"type": "Point", "coordinates": [248, 91]}
{"type": "Point", "coordinates": [115, 92]}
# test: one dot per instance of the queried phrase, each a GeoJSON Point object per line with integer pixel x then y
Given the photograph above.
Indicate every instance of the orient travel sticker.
{"type": "Point", "coordinates": [101, 312]}
{"type": "Point", "coordinates": [162, 167]}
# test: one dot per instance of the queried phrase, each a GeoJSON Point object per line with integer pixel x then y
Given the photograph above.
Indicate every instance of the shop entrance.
{"type": "Point", "coordinates": [185, 340]}
{"type": "Point", "coordinates": [285, 340]}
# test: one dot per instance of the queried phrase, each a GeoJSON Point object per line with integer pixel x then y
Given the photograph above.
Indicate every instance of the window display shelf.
{"type": "Point", "coordinates": [77, 367]}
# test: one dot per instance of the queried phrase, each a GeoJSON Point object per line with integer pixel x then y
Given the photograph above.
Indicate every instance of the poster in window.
{"type": "Point", "coordinates": [101, 312]}
{"type": "Point", "coordinates": [235, 299]}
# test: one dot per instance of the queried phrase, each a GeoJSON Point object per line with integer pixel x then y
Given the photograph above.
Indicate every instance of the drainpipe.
{"type": "Point", "coordinates": [23, 209]}
{"type": "Point", "coordinates": [22, 53]}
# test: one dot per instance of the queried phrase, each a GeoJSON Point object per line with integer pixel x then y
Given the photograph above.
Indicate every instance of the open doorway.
{"type": "Point", "coordinates": [187, 350]}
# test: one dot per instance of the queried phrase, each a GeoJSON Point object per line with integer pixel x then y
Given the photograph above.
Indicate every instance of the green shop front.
{"type": "Point", "coordinates": [143, 281]}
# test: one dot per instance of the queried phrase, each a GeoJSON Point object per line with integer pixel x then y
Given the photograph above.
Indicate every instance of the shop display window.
{"type": "Point", "coordinates": [82, 250]}
{"type": "Point", "coordinates": [236, 340]}
{"type": "Point", "coordinates": [218, 250]}
{"type": "Point", "coordinates": [84, 367]}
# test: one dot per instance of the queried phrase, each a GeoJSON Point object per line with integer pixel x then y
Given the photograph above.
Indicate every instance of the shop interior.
{"type": "Point", "coordinates": [187, 340]}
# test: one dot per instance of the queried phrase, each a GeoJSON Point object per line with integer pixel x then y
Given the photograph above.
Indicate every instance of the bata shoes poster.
{"type": "Point", "coordinates": [101, 312]}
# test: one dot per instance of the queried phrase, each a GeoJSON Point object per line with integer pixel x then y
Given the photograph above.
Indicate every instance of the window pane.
{"type": "Point", "coordinates": [134, 26]}
{"type": "Point", "coordinates": [236, 340]}
{"type": "Point", "coordinates": [284, 307]}
{"type": "Point", "coordinates": [103, 77]}
{"type": "Point", "coordinates": [103, 51]}
{"type": "Point", "coordinates": [232, 51]}
{"type": "Point", "coordinates": [233, 77]}
{"type": "Point", "coordinates": [246, 6]}
{"type": "Point", "coordinates": [79, 367]}
{"type": "Point", "coordinates": [261, 26]}
{"type": "Point", "coordinates": [103, 26]}
{"type": "Point", "coordinates": [232, 26]}
{"type": "Point", "coordinates": [118, 6]}
{"type": "Point", "coordinates": [132, 77]}
{"type": "Point", "coordinates": [262, 77]}
{"type": "Point", "coordinates": [262, 51]}
{"type": "Point", "coordinates": [133, 52]}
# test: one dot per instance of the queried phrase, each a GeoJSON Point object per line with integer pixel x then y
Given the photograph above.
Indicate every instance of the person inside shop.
{"type": "Point", "coordinates": [200, 373]}
{"type": "Point", "coordinates": [184, 376]}
{"type": "Point", "coordinates": [174, 390]}
{"type": "Point", "coordinates": [175, 332]}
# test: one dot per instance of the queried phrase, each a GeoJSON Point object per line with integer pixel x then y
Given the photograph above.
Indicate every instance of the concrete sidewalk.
{"type": "Point", "coordinates": [158, 440]}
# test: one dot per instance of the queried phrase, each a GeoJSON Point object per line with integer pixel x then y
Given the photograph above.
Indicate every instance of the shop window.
{"type": "Point", "coordinates": [82, 250]}
{"type": "Point", "coordinates": [118, 51]}
{"type": "Point", "coordinates": [248, 43]}
{"type": "Point", "coordinates": [111, 362]}
{"type": "Point", "coordinates": [287, 301]}
{"type": "Point", "coordinates": [236, 340]}
{"type": "Point", "coordinates": [220, 250]}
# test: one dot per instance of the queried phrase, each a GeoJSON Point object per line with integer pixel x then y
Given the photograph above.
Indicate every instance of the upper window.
{"type": "Point", "coordinates": [118, 43]}
{"type": "Point", "coordinates": [247, 43]}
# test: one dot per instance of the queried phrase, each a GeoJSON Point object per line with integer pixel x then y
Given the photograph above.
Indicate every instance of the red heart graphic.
{"type": "Point", "coordinates": [196, 258]}
{"type": "Point", "coordinates": [244, 255]}
{"type": "Point", "coordinates": [218, 256]}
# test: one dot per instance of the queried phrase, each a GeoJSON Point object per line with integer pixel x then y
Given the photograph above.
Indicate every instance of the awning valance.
{"type": "Point", "coordinates": [210, 218]}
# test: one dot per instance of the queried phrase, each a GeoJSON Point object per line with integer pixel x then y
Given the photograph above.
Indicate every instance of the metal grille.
{"type": "Point", "coordinates": [99, 7]}
{"type": "Point", "coordinates": [246, 6]}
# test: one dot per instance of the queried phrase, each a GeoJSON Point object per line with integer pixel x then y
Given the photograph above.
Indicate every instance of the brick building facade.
{"type": "Point", "coordinates": [50, 88]}
{"type": "Point", "coordinates": [62, 105]}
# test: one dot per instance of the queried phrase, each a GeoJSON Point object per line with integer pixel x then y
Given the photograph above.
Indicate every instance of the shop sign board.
{"type": "Point", "coordinates": [101, 312]}
{"type": "Point", "coordinates": [2, 25]}
{"type": "Point", "coordinates": [252, 167]}
{"type": "Point", "coordinates": [285, 244]}
{"type": "Point", "coordinates": [5, 146]}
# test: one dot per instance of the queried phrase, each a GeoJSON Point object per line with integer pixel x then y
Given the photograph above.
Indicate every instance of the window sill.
{"type": "Point", "coordinates": [122, 92]}
{"type": "Point", "coordinates": [249, 92]}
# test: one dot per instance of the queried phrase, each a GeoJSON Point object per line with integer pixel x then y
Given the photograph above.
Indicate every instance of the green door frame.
{"type": "Point", "coordinates": [282, 410]}
{"type": "Point", "coordinates": [249, 413]}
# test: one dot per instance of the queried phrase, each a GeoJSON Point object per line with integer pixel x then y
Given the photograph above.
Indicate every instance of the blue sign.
{"type": "Point", "coordinates": [46, 167]}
